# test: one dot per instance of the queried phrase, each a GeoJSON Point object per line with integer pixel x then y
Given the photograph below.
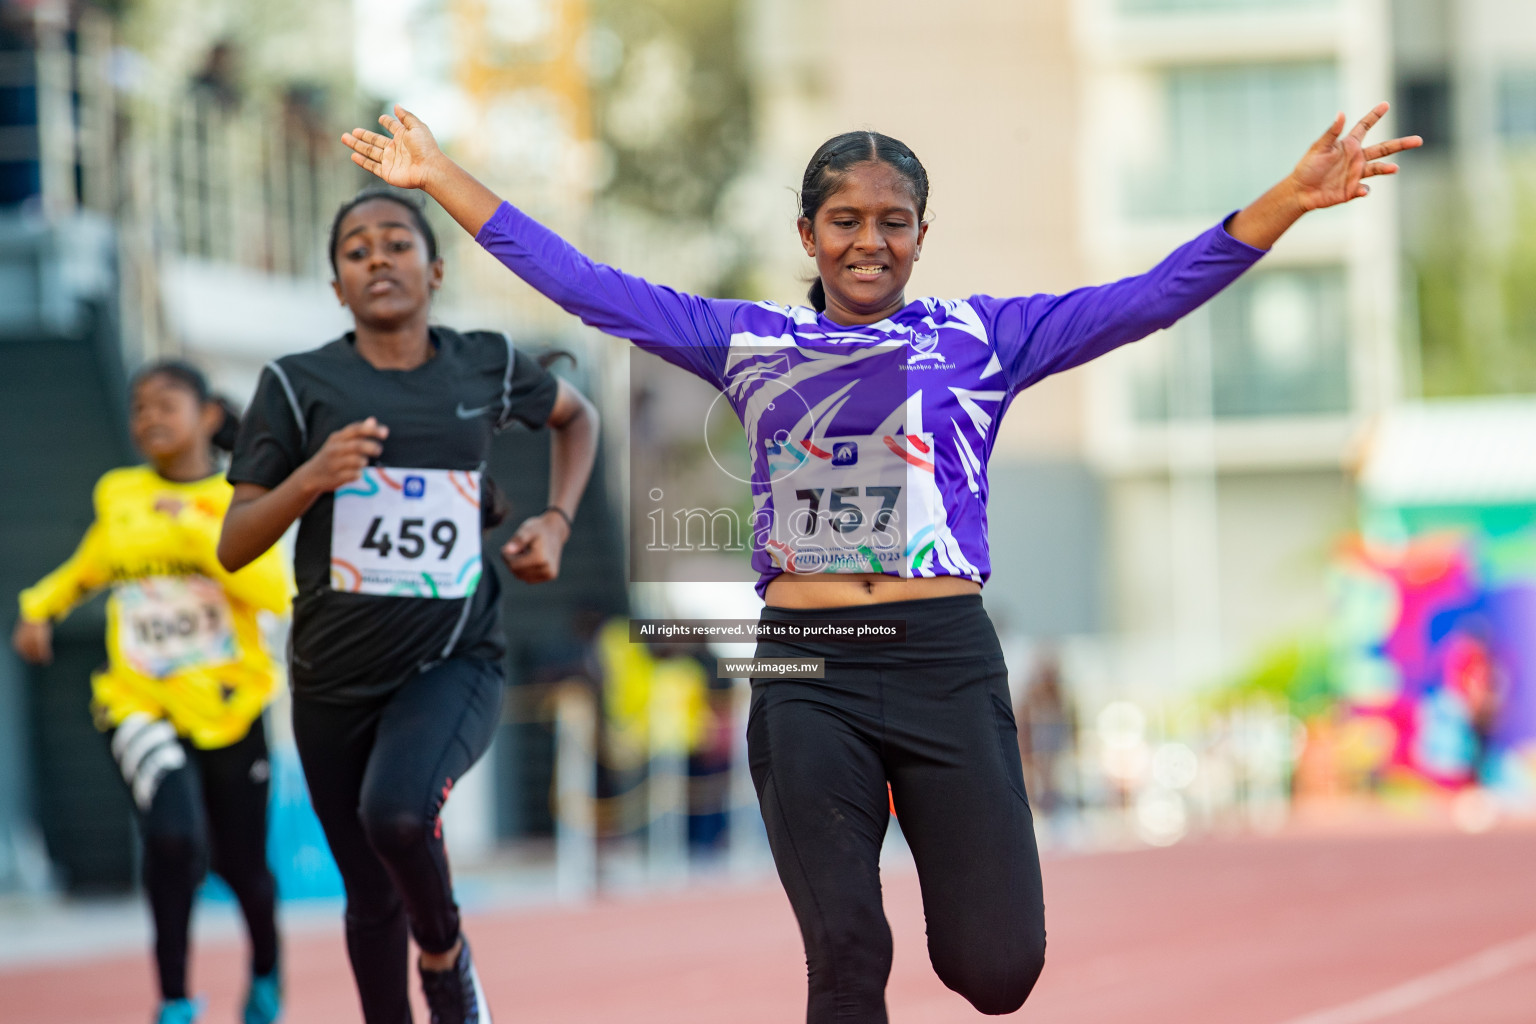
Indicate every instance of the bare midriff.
{"type": "Point", "coordinates": [851, 589]}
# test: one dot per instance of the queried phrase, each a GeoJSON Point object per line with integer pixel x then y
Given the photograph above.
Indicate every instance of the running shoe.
{"type": "Point", "coordinates": [454, 996]}
{"type": "Point", "coordinates": [264, 1002]}
{"type": "Point", "coordinates": [179, 1011]}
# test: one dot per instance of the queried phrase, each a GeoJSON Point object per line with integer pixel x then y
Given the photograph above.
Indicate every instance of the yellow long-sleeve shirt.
{"type": "Point", "coordinates": [183, 641]}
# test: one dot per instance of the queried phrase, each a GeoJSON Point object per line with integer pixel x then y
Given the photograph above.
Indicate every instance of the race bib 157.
{"type": "Point", "coordinates": [853, 504]}
{"type": "Point", "coordinates": [407, 533]}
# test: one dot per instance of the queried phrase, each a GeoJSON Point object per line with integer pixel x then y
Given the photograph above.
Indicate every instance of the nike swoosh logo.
{"type": "Point", "coordinates": [469, 414]}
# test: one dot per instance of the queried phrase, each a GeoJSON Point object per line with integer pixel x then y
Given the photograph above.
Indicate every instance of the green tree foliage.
{"type": "Point", "coordinates": [673, 105]}
{"type": "Point", "coordinates": [1477, 295]}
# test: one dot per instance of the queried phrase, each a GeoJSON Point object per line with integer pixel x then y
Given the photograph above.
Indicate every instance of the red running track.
{"type": "Point", "coordinates": [1425, 929]}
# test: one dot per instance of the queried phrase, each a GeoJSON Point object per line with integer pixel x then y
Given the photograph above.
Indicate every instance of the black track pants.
{"type": "Point", "coordinates": [196, 809]}
{"type": "Point", "coordinates": [379, 774]}
{"type": "Point", "coordinates": [932, 717]}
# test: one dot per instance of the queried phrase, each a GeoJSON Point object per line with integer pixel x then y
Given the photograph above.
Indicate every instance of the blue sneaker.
{"type": "Point", "coordinates": [179, 1011]}
{"type": "Point", "coordinates": [264, 1002]}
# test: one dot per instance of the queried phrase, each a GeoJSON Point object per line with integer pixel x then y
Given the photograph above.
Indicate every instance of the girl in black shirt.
{"type": "Point", "coordinates": [375, 443]}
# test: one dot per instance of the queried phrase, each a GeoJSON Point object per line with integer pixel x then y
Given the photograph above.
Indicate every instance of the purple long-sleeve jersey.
{"type": "Point", "coordinates": [869, 443]}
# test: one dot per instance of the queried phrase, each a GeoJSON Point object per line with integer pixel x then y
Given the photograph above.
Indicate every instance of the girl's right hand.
{"type": "Point", "coordinates": [34, 641]}
{"type": "Point", "coordinates": [404, 161]}
{"type": "Point", "coordinates": [341, 460]}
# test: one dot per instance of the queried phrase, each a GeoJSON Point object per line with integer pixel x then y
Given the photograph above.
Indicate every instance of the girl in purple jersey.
{"type": "Point", "coordinates": [884, 449]}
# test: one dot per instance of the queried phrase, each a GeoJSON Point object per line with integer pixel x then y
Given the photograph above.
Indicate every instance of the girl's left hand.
{"type": "Point", "coordinates": [533, 552]}
{"type": "Point", "coordinates": [1332, 170]}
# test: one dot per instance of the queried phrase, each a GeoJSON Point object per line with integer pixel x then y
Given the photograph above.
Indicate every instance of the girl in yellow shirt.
{"type": "Point", "coordinates": [187, 676]}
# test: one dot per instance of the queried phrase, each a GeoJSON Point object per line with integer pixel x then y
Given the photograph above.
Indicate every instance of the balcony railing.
{"type": "Point", "coordinates": [253, 187]}
{"type": "Point", "coordinates": [1218, 6]}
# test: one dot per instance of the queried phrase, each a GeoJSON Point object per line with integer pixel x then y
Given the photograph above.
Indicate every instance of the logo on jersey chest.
{"type": "Point", "coordinates": [923, 352]}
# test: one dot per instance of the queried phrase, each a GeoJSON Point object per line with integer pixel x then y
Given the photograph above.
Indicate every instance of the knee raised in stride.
{"type": "Point", "coordinates": [994, 985]}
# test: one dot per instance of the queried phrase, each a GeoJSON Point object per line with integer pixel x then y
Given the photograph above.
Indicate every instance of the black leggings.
{"type": "Point", "coordinates": [379, 774]}
{"type": "Point", "coordinates": [195, 807]}
{"type": "Point", "coordinates": [932, 717]}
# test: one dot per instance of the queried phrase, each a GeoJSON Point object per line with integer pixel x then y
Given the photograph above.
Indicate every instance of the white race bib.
{"type": "Point", "coordinates": [851, 504]}
{"type": "Point", "coordinates": [407, 533]}
{"type": "Point", "coordinates": [169, 623]}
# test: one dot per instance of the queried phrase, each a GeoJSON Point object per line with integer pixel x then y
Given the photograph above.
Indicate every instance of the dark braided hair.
{"type": "Point", "coordinates": [184, 374]}
{"type": "Point", "coordinates": [831, 161]}
{"type": "Point", "coordinates": [418, 217]}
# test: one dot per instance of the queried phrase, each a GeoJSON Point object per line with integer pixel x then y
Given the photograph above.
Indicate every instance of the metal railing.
{"type": "Point", "coordinates": [658, 806]}
{"type": "Point", "coordinates": [181, 172]}
{"type": "Point", "coordinates": [253, 186]}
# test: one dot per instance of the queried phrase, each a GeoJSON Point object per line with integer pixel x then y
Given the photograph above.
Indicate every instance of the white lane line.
{"type": "Point", "coordinates": [1479, 967]}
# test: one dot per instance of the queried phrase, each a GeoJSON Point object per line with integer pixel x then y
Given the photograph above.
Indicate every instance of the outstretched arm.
{"type": "Point", "coordinates": [1039, 335]}
{"type": "Point", "coordinates": [1331, 172]}
{"type": "Point", "coordinates": [687, 330]}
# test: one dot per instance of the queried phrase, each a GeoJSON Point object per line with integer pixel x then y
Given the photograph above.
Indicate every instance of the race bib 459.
{"type": "Point", "coordinates": [407, 533]}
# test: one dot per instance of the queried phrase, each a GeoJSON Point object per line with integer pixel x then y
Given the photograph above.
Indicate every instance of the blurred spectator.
{"type": "Point", "coordinates": [681, 676]}
{"type": "Point", "coordinates": [709, 754]}
{"type": "Point", "coordinates": [1474, 675]}
{"type": "Point", "coordinates": [304, 116]}
{"type": "Point", "coordinates": [1047, 726]}
{"type": "Point", "coordinates": [218, 83]}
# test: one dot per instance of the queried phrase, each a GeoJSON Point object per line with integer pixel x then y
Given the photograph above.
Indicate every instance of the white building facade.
{"type": "Point", "coordinates": [1226, 445]}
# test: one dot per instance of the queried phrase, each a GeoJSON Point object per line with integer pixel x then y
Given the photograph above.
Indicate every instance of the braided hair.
{"type": "Point", "coordinates": [831, 161]}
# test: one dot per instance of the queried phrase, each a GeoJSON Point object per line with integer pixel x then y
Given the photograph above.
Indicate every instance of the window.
{"type": "Point", "coordinates": [1278, 347]}
{"type": "Point", "coordinates": [1517, 105]}
{"type": "Point", "coordinates": [1424, 101]}
{"type": "Point", "coordinates": [20, 172]}
{"type": "Point", "coordinates": [1229, 132]}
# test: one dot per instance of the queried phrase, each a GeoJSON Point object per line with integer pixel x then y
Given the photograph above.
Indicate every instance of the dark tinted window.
{"type": "Point", "coordinates": [1424, 108]}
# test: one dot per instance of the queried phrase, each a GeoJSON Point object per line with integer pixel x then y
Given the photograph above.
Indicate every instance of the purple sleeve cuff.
{"type": "Point", "coordinates": [1238, 244]}
{"type": "Point", "coordinates": [500, 224]}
